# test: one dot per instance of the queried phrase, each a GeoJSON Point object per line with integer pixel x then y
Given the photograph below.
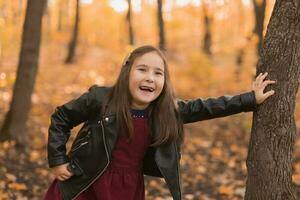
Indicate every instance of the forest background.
{"type": "Point", "coordinates": [212, 49]}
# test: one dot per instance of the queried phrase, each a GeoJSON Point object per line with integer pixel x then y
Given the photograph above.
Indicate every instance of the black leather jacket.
{"type": "Point", "coordinates": [91, 151]}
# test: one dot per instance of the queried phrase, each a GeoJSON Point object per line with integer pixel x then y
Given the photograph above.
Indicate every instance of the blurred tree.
{"type": "Point", "coordinates": [14, 126]}
{"type": "Point", "coordinates": [207, 29]}
{"type": "Point", "coordinates": [60, 14]}
{"type": "Point", "coordinates": [239, 62]}
{"type": "Point", "coordinates": [4, 10]}
{"type": "Point", "coordinates": [20, 6]}
{"type": "Point", "coordinates": [129, 22]}
{"type": "Point", "coordinates": [162, 43]}
{"type": "Point", "coordinates": [48, 19]}
{"type": "Point", "coordinates": [242, 46]}
{"type": "Point", "coordinates": [74, 39]}
{"type": "Point", "coordinates": [273, 132]}
{"type": "Point", "coordinates": [16, 11]}
{"type": "Point", "coordinates": [260, 11]}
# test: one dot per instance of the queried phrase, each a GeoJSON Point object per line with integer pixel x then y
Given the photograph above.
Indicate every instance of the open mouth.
{"type": "Point", "coordinates": [146, 88]}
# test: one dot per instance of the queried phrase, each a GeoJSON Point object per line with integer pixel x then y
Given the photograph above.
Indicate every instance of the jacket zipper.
{"type": "Point", "coordinates": [81, 144]}
{"type": "Point", "coordinates": [84, 137]}
{"type": "Point", "coordinates": [105, 147]}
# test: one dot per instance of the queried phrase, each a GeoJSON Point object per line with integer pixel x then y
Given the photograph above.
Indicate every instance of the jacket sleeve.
{"type": "Point", "coordinates": [199, 109]}
{"type": "Point", "coordinates": [63, 119]}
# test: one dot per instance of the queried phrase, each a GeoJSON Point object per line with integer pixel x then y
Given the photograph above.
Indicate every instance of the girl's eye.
{"type": "Point", "coordinates": [159, 73]}
{"type": "Point", "coordinates": [142, 69]}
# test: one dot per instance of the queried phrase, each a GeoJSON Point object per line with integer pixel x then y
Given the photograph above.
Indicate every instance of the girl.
{"type": "Point", "coordinates": [131, 129]}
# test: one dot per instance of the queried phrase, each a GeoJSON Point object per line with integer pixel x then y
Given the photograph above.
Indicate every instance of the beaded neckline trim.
{"type": "Point", "coordinates": [138, 113]}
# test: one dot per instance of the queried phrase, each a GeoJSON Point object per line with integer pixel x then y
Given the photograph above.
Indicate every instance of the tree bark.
{"type": "Point", "coordinates": [273, 133]}
{"type": "Point", "coordinates": [73, 42]}
{"type": "Point", "coordinates": [162, 43]}
{"type": "Point", "coordinates": [129, 22]}
{"type": "Point", "coordinates": [14, 126]}
{"type": "Point", "coordinates": [260, 11]}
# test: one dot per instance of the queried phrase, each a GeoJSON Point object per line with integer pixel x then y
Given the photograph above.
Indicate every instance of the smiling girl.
{"type": "Point", "coordinates": [130, 129]}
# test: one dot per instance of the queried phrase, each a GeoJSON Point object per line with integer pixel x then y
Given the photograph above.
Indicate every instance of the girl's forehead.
{"type": "Point", "coordinates": [150, 59]}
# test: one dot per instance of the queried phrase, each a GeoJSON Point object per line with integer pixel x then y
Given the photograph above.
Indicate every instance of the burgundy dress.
{"type": "Point", "coordinates": [123, 178]}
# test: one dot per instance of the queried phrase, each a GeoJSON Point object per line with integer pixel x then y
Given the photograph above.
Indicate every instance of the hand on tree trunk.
{"type": "Point", "coordinates": [258, 87]}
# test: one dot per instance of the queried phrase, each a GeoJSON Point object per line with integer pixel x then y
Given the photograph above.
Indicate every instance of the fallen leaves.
{"type": "Point", "coordinates": [17, 186]}
{"type": "Point", "coordinates": [3, 195]}
{"type": "Point", "coordinates": [11, 177]}
{"type": "Point", "coordinates": [20, 178]}
{"type": "Point", "coordinates": [228, 190]}
{"type": "Point", "coordinates": [216, 152]}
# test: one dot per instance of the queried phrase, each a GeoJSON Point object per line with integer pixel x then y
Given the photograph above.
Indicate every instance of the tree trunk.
{"type": "Point", "coordinates": [207, 28]}
{"type": "Point", "coordinates": [239, 63]}
{"type": "Point", "coordinates": [259, 10]}
{"type": "Point", "coordinates": [129, 22]}
{"type": "Point", "coordinates": [73, 42]}
{"type": "Point", "coordinates": [162, 44]}
{"type": "Point", "coordinates": [14, 125]}
{"type": "Point", "coordinates": [273, 133]}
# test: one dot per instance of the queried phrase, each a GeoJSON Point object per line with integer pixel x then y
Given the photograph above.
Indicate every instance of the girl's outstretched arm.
{"type": "Point", "coordinates": [199, 109]}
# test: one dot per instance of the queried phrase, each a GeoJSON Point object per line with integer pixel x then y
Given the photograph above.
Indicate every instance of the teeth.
{"type": "Point", "coordinates": [147, 88]}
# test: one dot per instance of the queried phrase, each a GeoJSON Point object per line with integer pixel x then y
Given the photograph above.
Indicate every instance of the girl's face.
{"type": "Point", "coordinates": [146, 79]}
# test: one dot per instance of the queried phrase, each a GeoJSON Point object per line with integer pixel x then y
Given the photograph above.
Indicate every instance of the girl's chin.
{"type": "Point", "coordinates": [141, 103]}
{"type": "Point", "coordinates": [139, 106]}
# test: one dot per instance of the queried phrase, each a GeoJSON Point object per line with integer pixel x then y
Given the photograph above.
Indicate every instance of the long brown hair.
{"type": "Point", "coordinates": [162, 111]}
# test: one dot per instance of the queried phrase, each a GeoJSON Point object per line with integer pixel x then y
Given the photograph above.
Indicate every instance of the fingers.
{"type": "Point", "coordinates": [269, 93]}
{"type": "Point", "coordinates": [259, 81]}
{"type": "Point", "coordinates": [258, 77]}
{"type": "Point", "coordinates": [66, 174]}
{"type": "Point", "coordinates": [68, 171]}
{"type": "Point", "coordinates": [259, 85]}
{"type": "Point", "coordinates": [63, 177]}
{"type": "Point", "coordinates": [60, 178]}
{"type": "Point", "coordinates": [264, 75]}
{"type": "Point", "coordinates": [267, 82]}
{"type": "Point", "coordinates": [62, 173]}
{"type": "Point", "coordinates": [261, 77]}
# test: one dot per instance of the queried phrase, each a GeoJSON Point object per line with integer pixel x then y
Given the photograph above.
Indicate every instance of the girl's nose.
{"type": "Point", "coordinates": [150, 78]}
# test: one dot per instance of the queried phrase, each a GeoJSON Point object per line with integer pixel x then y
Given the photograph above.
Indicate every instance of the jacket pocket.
{"type": "Point", "coordinates": [75, 168]}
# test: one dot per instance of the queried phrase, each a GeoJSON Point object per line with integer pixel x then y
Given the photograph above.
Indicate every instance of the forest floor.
{"type": "Point", "coordinates": [213, 164]}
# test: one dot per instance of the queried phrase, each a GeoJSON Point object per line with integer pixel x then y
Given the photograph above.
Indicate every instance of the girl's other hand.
{"type": "Point", "coordinates": [61, 172]}
{"type": "Point", "coordinates": [258, 87]}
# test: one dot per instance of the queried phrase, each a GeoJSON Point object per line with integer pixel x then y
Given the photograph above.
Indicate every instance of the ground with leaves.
{"type": "Point", "coordinates": [213, 156]}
